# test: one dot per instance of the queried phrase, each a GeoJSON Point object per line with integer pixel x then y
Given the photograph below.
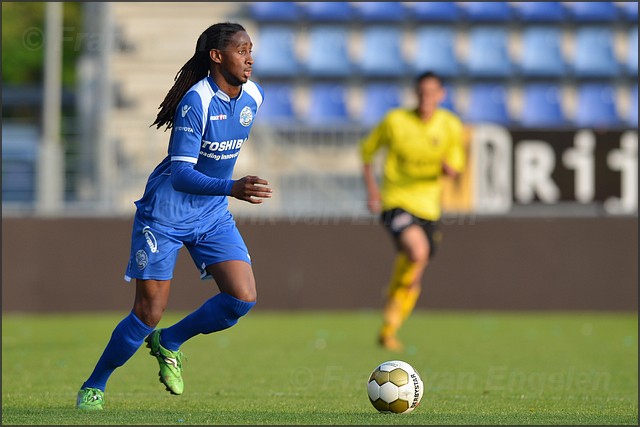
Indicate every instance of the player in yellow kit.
{"type": "Point", "coordinates": [422, 145]}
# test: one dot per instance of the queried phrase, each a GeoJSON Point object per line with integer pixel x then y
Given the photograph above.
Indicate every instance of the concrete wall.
{"type": "Point", "coordinates": [577, 264]}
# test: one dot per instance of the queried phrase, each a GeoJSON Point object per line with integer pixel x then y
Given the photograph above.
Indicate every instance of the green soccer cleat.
{"type": "Point", "coordinates": [90, 399]}
{"type": "Point", "coordinates": [170, 363]}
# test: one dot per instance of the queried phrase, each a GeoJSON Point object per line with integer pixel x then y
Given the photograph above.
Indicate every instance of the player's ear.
{"type": "Point", "coordinates": [215, 55]}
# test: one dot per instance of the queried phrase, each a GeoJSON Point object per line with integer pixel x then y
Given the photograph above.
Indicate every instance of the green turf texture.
{"type": "Point", "coordinates": [312, 368]}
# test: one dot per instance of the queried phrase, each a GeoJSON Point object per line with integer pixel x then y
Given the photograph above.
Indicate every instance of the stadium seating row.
{"type": "Point", "coordinates": [382, 52]}
{"type": "Point", "coordinates": [444, 11]}
{"type": "Point", "coordinates": [542, 105]}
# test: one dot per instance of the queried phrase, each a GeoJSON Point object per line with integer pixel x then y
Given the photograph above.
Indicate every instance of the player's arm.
{"type": "Point", "coordinates": [454, 161]}
{"type": "Point", "coordinates": [368, 148]}
{"type": "Point", "coordinates": [186, 139]}
{"type": "Point", "coordinates": [374, 201]}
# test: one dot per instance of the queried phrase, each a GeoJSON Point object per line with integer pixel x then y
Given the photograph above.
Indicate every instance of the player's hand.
{"type": "Point", "coordinates": [251, 189]}
{"type": "Point", "coordinates": [374, 203]}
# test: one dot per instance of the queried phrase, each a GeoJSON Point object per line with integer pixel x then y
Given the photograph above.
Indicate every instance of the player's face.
{"type": "Point", "coordinates": [430, 95]}
{"type": "Point", "coordinates": [236, 59]}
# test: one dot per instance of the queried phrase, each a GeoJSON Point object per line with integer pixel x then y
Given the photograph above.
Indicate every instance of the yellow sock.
{"type": "Point", "coordinates": [401, 296]}
{"type": "Point", "coordinates": [409, 302]}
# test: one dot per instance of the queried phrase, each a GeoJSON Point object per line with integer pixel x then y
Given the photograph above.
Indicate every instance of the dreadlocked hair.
{"type": "Point", "coordinates": [217, 36]}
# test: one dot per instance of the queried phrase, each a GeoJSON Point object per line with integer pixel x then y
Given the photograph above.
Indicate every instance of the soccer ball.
{"type": "Point", "coordinates": [395, 387]}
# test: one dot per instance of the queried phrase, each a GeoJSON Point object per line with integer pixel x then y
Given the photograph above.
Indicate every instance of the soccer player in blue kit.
{"type": "Point", "coordinates": [210, 109]}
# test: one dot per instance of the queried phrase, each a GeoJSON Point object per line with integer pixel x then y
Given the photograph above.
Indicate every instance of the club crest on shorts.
{"type": "Point", "coordinates": [246, 116]}
{"type": "Point", "coordinates": [142, 259]}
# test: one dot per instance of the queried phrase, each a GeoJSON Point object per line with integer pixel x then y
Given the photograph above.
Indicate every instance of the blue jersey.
{"type": "Point", "coordinates": [209, 129]}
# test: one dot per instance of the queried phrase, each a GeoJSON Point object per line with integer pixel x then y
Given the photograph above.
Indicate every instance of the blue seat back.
{"type": "Point", "coordinates": [542, 52]}
{"type": "Point", "coordinates": [278, 105]}
{"type": "Point", "coordinates": [594, 55]}
{"type": "Point", "coordinates": [542, 106]}
{"type": "Point", "coordinates": [383, 11]}
{"type": "Point", "coordinates": [328, 11]}
{"type": "Point", "coordinates": [328, 104]}
{"type": "Point", "coordinates": [328, 53]}
{"type": "Point", "coordinates": [449, 101]}
{"type": "Point", "coordinates": [274, 11]}
{"type": "Point", "coordinates": [434, 11]}
{"type": "Point", "coordinates": [541, 11]}
{"type": "Point", "coordinates": [488, 103]}
{"type": "Point", "coordinates": [596, 106]}
{"type": "Point", "coordinates": [275, 53]}
{"type": "Point", "coordinates": [378, 99]}
{"type": "Point", "coordinates": [488, 54]}
{"type": "Point", "coordinates": [487, 11]}
{"type": "Point", "coordinates": [435, 50]}
{"type": "Point", "coordinates": [592, 11]}
{"type": "Point", "coordinates": [381, 53]}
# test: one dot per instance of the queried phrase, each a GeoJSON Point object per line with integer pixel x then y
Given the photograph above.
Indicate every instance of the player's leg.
{"type": "Point", "coordinates": [237, 295]}
{"type": "Point", "coordinates": [222, 255]}
{"type": "Point", "coordinates": [154, 251]}
{"type": "Point", "coordinates": [152, 297]}
{"type": "Point", "coordinates": [150, 301]}
{"type": "Point", "coordinates": [405, 285]}
{"type": "Point", "coordinates": [417, 248]}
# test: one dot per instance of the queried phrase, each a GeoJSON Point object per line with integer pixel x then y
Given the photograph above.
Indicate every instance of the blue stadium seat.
{"type": "Point", "coordinates": [487, 11]}
{"type": "Point", "coordinates": [596, 106]}
{"type": "Point", "coordinates": [285, 11]}
{"type": "Point", "coordinates": [488, 54]}
{"type": "Point", "coordinates": [382, 11]}
{"type": "Point", "coordinates": [632, 52]}
{"type": "Point", "coordinates": [381, 53]}
{"type": "Point", "coordinates": [594, 55]}
{"type": "Point", "coordinates": [487, 103]}
{"type": "Point", "coordinates": [379, 98]}
{"type": "Point", "coordinates": [542, 52]}
{"type": "Point", "coordinates": [449, 99]}
{"type": "Point", "coordinates": [628, 10]}
{"type": "Point", "coordinates": [278, 106]}
{"type": "Point", "coordinates": [328, 11]}
{"type": "Point", "coordinates": [632, 116]}
{"type": "Point", "coordinates": [434, 11]}
{"type": "Point", "coordinates": [542, 106]}
{"type": "Point", "coordinates": [275, 54]}
{"type": "Point", "coordinates": [435, 50]}
{"type": "Point", "coordinates": [328, 53]}
{"type": "Point", "coordinates": [592, 11]}
{"type": "Point", "coordinates": [540, 11]}
{"type": "Point", "coordinates": [327, 105]}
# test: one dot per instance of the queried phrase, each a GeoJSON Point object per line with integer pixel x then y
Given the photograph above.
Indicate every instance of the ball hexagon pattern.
{"type": "Point", "coordinates": [395, 387]}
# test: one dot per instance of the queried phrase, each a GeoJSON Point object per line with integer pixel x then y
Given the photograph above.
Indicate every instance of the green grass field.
{"type": "Point", "coordinates": [312, 368]}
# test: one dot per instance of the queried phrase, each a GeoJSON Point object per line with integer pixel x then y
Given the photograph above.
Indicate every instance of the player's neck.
{"type": "Point", "coordinates": [425, 116]}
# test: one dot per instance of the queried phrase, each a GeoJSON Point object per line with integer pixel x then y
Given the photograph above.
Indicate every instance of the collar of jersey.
{"type": "Point", "coordinates": [219, 93]}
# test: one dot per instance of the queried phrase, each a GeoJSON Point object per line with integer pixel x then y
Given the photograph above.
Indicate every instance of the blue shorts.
{"type": "Point", "coordinates": [155, 247]}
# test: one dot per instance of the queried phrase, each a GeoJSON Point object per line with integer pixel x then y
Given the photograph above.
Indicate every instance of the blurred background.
{"type": "Point", "coordinates": [545, 216]}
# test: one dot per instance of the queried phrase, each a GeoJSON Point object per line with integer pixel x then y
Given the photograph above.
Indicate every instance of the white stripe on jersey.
{"type": "Point", "coordinates": [251, 88]}
{"type": "Point", "coordinates": [184, 159]}
{"type": "Point", "coordinates": [206, 93]}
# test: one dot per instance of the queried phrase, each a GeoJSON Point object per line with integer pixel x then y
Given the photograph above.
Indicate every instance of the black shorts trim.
{"type": "Point", "coordinates": [397, 220]}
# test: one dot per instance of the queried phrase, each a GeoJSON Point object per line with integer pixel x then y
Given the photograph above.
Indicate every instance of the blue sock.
{"type": "Point", "coordinates": [217, 313]}
{"type": "Point", "coordinates": [125, 340]}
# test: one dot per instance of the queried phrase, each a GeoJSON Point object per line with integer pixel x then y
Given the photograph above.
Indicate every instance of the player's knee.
{"type": "Point", "coordinates": [419, 256]}
{"type": "Point", "coordinates": [246, 294]}
{"type": "Point", "coordinates": [150, 316]}
{"type": "Point", "coordinates": [235, 307]}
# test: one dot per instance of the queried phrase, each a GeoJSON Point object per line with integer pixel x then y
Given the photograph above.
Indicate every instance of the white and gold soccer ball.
{"type": "Point", "coordinates": [395, 387]}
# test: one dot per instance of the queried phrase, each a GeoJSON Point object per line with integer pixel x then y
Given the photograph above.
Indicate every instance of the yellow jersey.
{"type": "Point", "coordinates": [416, 151]}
